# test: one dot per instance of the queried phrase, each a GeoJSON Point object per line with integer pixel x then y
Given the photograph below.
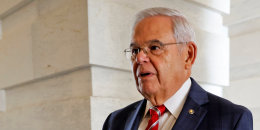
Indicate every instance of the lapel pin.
{"type": "Point", "coordinates": [191, 111]}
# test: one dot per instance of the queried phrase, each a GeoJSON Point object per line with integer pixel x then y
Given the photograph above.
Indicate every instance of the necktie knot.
{"type": "Point", "coordinates": [158, 110]}
{"type": "Point", "coordinates": [155, 113]}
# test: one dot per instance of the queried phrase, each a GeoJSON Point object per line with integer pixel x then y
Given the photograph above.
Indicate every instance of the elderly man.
{"type": "Point", "coordinates": [162, 53]}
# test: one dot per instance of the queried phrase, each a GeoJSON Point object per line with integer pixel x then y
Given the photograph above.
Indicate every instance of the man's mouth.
{"type": "Point", "coordinates": [145, 74]}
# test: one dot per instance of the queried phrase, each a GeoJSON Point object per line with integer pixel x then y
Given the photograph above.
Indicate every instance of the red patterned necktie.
{"type": "Point", "coordinates": [155, 113]}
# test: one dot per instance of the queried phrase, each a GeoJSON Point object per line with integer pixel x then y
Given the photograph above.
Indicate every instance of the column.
{"type": "Point", "coordinates": [44, 68]}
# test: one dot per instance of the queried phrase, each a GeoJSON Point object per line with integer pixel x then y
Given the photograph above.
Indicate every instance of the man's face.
{"type": "Point", "coordinates": [158, 75]}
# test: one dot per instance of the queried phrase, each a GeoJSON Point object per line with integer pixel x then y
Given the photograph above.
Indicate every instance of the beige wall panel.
{"type": "Point", "coordinates": [8, 6]}
{"type": "Point", "coordinates": [218, 5]}
{"type": "Point", "coordinates": [249, 26]}
{"type": "Point", "coordinates": [102, 107]}
{"type": "Point", "coordinates": [256, 117]}
{"type": "Point", "coordinates": [107, 82]}
{"type": "Point", "coordinates": [60, 37]}
{"type": "Point", "coordinates": [109, 32]}
{"type": "Point", "coordinates": [2, 101]}
{"type": "Point", "coordinates": [244, 55]}
{"type": "Point", "coordinates": [68, 114]}
{"type": "Point", "coordinates": [245, 48]}
{"type": "Point", "coordinates": [244, 92]}
{"type": "Point", "coordinates": [16, 46]}
{"type": "Point", "coordinates": [1, 33]}
{"type": "Point", "coordinates": [114, 18]}
{"type": "Point", "coordinates": [243, 10]}
{"type": "Point", "coordinates": [59, 102]}
{"type": "Point", "coordinates": [60, 87]}
{"type": "Point", "coordinates": [245, 71]}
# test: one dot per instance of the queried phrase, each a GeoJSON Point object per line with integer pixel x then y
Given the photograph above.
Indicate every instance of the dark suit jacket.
{"type": "Point", "coordinates": [211, 113]}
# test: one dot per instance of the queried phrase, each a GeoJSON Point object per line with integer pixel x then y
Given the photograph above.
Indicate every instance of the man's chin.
{"type": "Point", "coordinates": [147, 90]}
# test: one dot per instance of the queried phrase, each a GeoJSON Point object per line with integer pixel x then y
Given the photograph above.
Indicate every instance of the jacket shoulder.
{"type": "Point", "coordinates": [225, 104]}
{"type": "Point", "coordinates": [237, 116]}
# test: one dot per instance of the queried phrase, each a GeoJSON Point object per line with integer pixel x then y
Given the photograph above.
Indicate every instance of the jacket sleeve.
{"type": "Point", "coordinates": [245, 121]}
{"type": "Point", "coordinates": [106, 125]}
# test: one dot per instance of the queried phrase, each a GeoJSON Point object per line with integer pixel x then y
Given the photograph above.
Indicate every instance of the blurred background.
{"type": "Point", "coordinates": [62, 65]}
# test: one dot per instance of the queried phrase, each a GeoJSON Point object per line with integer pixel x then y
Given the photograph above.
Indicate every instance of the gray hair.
{"type": "Point", "coordinates": [183, 32]}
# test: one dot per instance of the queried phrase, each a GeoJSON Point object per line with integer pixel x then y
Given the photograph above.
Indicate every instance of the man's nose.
{"type": "Point", "coordinates": [142, 57]}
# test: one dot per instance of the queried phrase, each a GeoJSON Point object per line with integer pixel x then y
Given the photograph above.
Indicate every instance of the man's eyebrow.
{"type": "Point", "coordinates": [153, 40]}
{"type": "Point", "coordinates": [133, 44]}
{"type": "Point", "coordinates": [150, 41]}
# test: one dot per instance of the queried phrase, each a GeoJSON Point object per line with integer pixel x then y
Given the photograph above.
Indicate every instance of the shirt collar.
{"type": "Point", "coordinates": [175, 103]}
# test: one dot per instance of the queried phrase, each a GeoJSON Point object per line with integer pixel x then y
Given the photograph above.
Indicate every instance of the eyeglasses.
{"type": "Point", "coordinates": [154, 47]}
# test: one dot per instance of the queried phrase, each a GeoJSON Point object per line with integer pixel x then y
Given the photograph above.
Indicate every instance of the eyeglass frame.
{"type": "Point", "coordinates": [147, 49]}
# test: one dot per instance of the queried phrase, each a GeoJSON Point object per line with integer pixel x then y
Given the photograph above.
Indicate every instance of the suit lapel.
{"type": "Point", "coordinates": [193, 111]}
{"type": "Point", "coordinates": [135, 116]}
{"type": "Point", "coordinates": [188, 120]}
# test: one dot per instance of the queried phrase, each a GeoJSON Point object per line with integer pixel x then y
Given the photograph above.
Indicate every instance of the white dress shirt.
{"type": "Point", "coordinates": [173, 106]}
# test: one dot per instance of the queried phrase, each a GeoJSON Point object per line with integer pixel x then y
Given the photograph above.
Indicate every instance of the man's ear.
{"type": "Point", "coordinates": [191, 54]}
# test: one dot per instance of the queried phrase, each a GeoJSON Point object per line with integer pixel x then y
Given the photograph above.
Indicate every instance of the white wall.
{"type": "Point", "coordinates": [244, 31]}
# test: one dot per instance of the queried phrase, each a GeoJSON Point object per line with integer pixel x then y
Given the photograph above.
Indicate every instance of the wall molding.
{"type": "Point", "coordinates": [2, 101]}
{"type": "Point", "coordinates": [15, 8]}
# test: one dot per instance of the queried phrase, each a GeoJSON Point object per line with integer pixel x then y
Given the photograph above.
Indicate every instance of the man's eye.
{"type": "Point", "coordinates": [135, 51]}
{"type": "Point", "coordinates": [154, 47]}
